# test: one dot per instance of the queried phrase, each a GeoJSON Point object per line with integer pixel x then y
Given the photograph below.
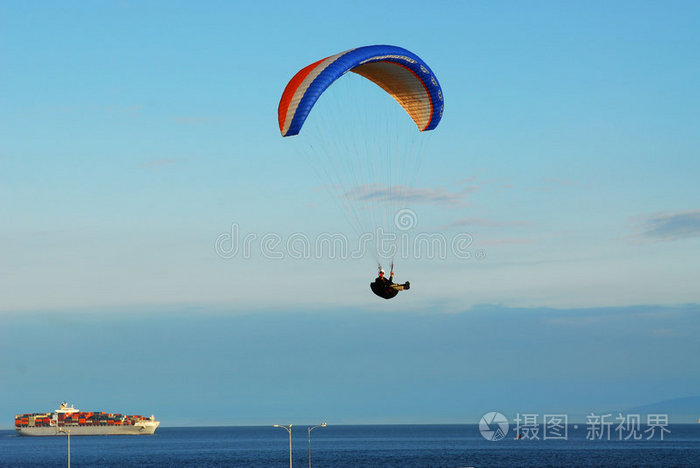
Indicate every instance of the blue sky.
{"type": "Point", "coordinates": [133, 135]}
{"type": "Point", "coordinates": [199, 366]}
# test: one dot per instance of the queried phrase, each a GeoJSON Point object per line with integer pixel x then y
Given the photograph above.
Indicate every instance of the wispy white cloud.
{"type": "Point", "coordinates": [670, 226]}
{"type": "Point", "coordinates": [419, 195]}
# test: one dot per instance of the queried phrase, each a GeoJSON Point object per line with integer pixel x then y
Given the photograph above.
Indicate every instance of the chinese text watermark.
{"type": "Point", "coordinates": [494, 426]}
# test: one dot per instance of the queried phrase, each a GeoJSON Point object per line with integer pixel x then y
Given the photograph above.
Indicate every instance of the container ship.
{"type": "Point", "coordinates": [68, 419]}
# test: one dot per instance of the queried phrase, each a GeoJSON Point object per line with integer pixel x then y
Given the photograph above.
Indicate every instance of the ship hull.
{"type": "Point", "coordinates": [139, 429]}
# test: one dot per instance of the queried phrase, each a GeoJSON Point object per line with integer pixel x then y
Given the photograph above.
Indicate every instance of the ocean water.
{"type": "Point", "coordinates": [351, 446]}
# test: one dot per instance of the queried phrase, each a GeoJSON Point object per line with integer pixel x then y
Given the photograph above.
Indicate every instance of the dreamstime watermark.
{"type": "Point", "coordinates": [494, 426]}
{"type": "Point", "coordinates": [401, 243]}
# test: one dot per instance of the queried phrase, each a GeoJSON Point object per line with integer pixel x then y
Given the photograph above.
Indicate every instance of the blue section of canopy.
{"type": "Point", "coordinates": [365, 55]}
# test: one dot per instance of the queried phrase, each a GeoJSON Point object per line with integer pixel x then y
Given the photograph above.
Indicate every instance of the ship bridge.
{"type": "Point", "coordinates": [65, 409]}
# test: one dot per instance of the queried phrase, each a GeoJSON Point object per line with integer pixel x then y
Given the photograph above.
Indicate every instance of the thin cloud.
{"type": "Point", "coordinates": [671, 226]}
{"type": "Point", "coordinates": [425, 196]}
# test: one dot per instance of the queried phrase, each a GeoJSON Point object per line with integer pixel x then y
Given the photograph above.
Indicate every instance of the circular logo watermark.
{"type": "Point", "coordinates": [405, 219]}
{"type": "Point", "coordinates": [493, 426]}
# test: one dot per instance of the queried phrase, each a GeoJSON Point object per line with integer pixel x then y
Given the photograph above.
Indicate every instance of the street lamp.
{"type": "Point", "coordinates": [288, 429]}
{"type": "Point", "coordinates": [311, 429]}
{"type": "Point", "coordinates": [67, 432]}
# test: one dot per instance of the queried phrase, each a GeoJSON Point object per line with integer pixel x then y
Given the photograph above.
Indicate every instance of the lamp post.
{"type": "Point", "coordinates": [311, 429]}
{"type": "Point", "coordinates": [67, 432]}
{"type": "Point", "coordinates": [288, 429]}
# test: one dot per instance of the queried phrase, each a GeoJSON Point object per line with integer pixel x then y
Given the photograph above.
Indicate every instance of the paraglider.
{"type": "Point", "coordinates": [386, 288]}
{"type": "Point", "coordinates": [399, 72]}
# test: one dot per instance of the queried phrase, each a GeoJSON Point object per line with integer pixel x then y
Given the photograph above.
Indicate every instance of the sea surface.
{"type": "Point", "coordinates": [352, 446]}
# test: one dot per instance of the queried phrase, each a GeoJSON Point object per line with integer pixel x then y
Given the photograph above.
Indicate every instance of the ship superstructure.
{"type": "Point", "coordinates": [69, 419]}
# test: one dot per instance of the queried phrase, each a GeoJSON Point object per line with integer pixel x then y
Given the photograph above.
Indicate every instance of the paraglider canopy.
{"type": "Point", "coordinates": [402, 74]}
